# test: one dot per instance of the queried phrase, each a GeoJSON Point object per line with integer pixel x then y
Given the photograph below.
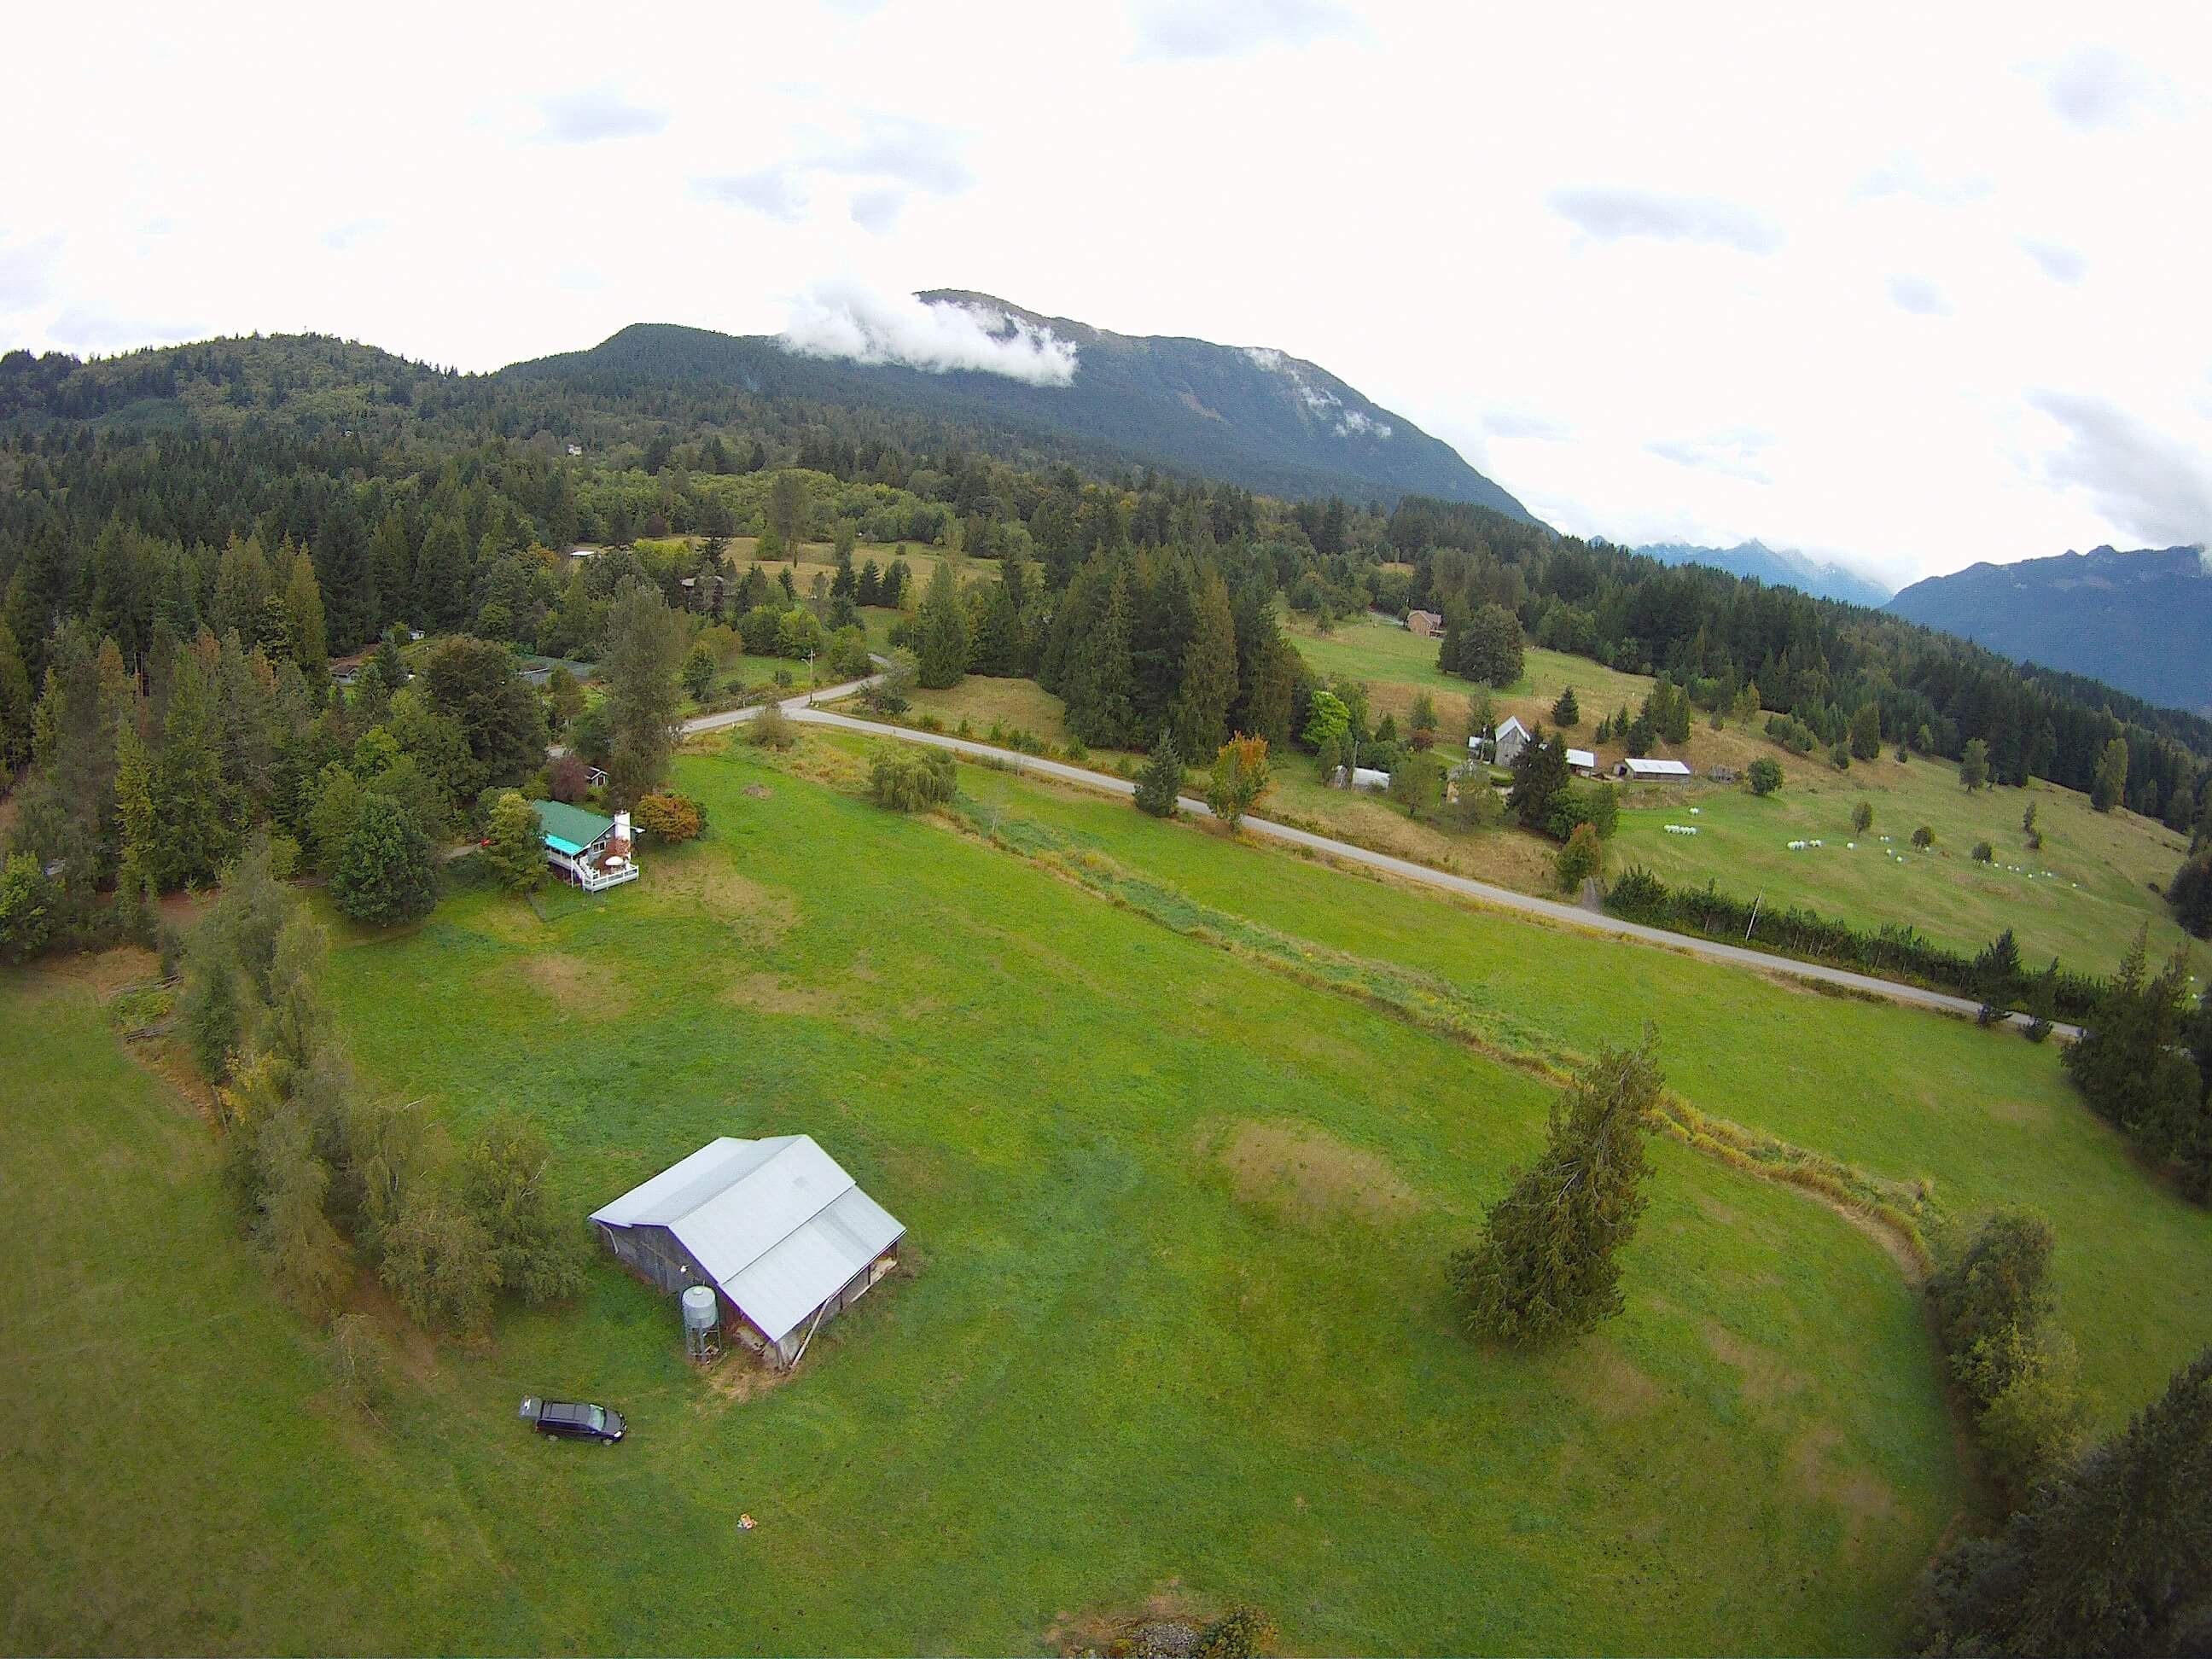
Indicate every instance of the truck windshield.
{"type": "Point", "coordinates": [598, 1417]}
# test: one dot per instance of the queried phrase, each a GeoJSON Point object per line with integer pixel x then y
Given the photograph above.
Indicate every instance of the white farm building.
{"type": "Point", "coordinates": [785, 1236]}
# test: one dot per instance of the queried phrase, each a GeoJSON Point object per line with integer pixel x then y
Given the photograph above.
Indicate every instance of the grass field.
{"type": "Point", "coordinates": [1174, 1321]}
{"type": "Point", "coordinates": [2086, 911]}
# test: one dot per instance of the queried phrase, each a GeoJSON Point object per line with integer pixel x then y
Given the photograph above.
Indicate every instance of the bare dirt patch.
{"type": "Point", "coordinates": [767, 995]}
{"type": "Point", "coordinates": [761, 915]}
{"type": "Point", "coordinates": [1767, 1377]}
{"type": "Point", "coordinates": [1817, 1471]}
{"type": "Point", "coordinates": [1310, 1177]}
{"type": "Point", "coordinates": [1102, 1630]}
{"type": "Point", "coordinates": [736, 1377]}
{"type": "Point", "coordinates": [581, 989]}
{"type": "Point", "coordinates": [1608, 1382]}
{"type": "Point", "coordinates": [757, 791]}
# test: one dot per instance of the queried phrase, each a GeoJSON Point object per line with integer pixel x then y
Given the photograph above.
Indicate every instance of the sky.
{"type": "Point", "coordinates": [1905, 286]}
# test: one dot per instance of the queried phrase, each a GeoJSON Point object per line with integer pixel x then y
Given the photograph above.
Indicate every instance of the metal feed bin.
{"type": "Point", "coordinates": [703, 1323]}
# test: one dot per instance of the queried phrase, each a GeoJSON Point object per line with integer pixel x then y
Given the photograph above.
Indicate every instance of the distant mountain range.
{"type": "Point", "coordinates": [1245, 414]}
{"type": "Point", "coordinates": [2140, 620]}
{"type": "Point", "coordinates": [1777, 568]}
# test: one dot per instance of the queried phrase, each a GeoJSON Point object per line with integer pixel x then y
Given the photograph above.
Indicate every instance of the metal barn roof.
{"type": "Point", "coordinates": [1582, 757]}
{"type": "Point", "coordinates": [1656, 769]}
{"type": "Point", "coordinates": [1512, 723]}
{"type": "Point", "coordinates": [777, 1224]}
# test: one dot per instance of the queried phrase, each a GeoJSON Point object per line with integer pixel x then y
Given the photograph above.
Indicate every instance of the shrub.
{"type": "Point", "coordinates": [1766, 775]}
{"type": "Point", "coordinates": [357, 1365]}
{"type": "Point", "coordinates": [1984, 853]}
{"type": "Point", "coordinates": [567, 780]}
{"type": "Point", "coordinates": [1923, 838]}
{"type": "Point", "coordinates": [906, 779]}
{"type": "Point", "coordinates": [513, 845]}
{"type": "Point", "coordinates": [1238, 780]}
{"type": "Point", "coordinates": [672, 816]}
{"type": "Point", "coordinates": [2189, 893]}
{"type": "Point", "coordinates": [1477, 805]}
{"type": "Point", "coordinates": [1582, 858]}
{"type": "Point", "coordinates": [28, 905]}
{"type": "Point", "coordinates": [772, 728]}
{"type": "Point", "coordinates": [1244, 1633]}
{"type": "Point", "coordinates": [1862, 817]}
{"type": "Point", "coordinates": [1595, 803]}
{"type": "Point", "coordinates": [1417, 783]}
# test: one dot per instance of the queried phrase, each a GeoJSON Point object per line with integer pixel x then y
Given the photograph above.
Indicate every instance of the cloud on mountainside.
{"type": "Point", "coordinates": [1611, 214]}
{"type": "Point", "coordinates": [587, 117]}
{"type": "Point", "coordinates": [2058, 262]}
{"type": "Point", "coordinates": [2149, 485]}
{"type": "Point", "coordinates": [845, 320]}
{"type": "Point", "coordinates": [1172, 29]}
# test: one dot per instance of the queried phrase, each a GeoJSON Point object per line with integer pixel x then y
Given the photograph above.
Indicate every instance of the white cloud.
{"type": "Point", "coordinates": [1611, 214]}
{"type": "Point", "coordinates": [878, 210]}
{"type": "Point", "coordinates": [2151, 486]}
{"type": "Point", "coordinates": [1230, 28]}
{"type": "Point", "coordinates": [1732, 452]}
{"type": "Point", "coordinates": [27, 272]}
{"type": "Point", "coordinates": [1918, 295]}
{"type": "Point", "coordinates": [1907, 175]}
{"type": "Point", "coordinates": [587, 117]}
{"type": "Point", "coordinates": [2094, 86]}
{"type": "Point", "coordinates": [779, 193]}
{"type": "Point", "coordinates": [846, 319]}
{"type": "Point", "coordinates": [2058, 262]}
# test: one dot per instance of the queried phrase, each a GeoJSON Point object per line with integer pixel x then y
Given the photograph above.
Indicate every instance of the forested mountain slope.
{"type": "Point", "coordinates": [2142, 621]}
{"type": "Point", "coordinates": [1777, 568]}
{"type": "Point", "coordinates": [1248, 415]}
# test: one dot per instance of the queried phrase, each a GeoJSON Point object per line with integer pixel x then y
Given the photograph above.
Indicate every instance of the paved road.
{"type": "Point", "coordinates": [1503, 897]}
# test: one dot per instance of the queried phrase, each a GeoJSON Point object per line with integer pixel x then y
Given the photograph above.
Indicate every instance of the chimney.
{"type": "Point", "coordinates": [621, 828]}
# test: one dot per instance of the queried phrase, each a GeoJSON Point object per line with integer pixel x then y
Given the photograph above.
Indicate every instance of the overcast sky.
{"type": "Point", "coordinates": [1912, 285]}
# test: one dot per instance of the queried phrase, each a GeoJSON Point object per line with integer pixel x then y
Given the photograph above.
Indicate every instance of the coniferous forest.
{"type": "Point", "coordinates": [189, 536]}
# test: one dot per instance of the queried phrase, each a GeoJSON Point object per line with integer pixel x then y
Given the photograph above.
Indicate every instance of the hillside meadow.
{"type": "Point", "coordinates": [2105, 870]}
{"type": "Point", "coordinates": [1172, 1324]}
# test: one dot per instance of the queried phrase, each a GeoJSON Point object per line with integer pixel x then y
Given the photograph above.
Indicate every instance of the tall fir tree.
{"type": "Point", "coordinates": [1208, 688]}
{"type": "Point", "coordinates": [942, 623]}
{"type": "Point", "coordinates": [1548, 1264]}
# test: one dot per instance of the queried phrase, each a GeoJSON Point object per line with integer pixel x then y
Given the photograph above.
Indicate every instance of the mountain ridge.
{"type": "Point", "coordinates": [1249, 416]}
{"type": "Point", "coordinates": [1777, 568]}
{"type": "Point", "coordinates": [2140, 620]}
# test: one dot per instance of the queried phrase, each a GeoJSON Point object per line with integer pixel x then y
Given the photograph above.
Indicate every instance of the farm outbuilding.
{"type": "Point", "coordinates": [1425, 624]}
{"type": "Point", "coordinates": [1582, 763]}
{"type": "Point", "coordinates": [785, 1236]}
{"type": "Point", "coordinates": [1652, 771]}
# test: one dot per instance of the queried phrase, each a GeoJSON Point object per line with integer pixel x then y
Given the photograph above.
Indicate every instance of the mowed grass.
{"type": "Point", "coordinates": [1174, 1321]}
{"type": "Point", "coordinates": [1981, 1118]}
{"type": "Point", "coordinates": [2102, 866]}
{"type": "Point", "coordinates": [2080, 897]}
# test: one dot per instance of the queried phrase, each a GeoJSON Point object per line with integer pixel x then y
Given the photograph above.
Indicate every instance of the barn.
{"type": "Point", "coordinates": [786, 1238]}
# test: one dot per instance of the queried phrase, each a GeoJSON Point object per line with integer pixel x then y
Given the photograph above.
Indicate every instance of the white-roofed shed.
{"type": "Point", "coordinates": [784, 1235]}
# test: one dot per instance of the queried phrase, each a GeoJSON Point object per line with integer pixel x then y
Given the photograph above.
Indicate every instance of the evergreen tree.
{"type": "Point", "coordinates": [1161, 781]}
{"type": "Point", "coordinates": [439, 578]}
{"type": "Point", "coordinates": [1566, 714]}
{"type": "Point", "coordinates": [1866, 732]}
{"type": "Point", "coordinates": [2108, 787]}
{"type": "Point", "coordinates": [171, 799]}
{"type": "Point", "coordinates": [15, 705]}
{"type": "Point", "coordinates": [867, 588]}
{"type": "Point", "coordinates": [384, 876]}
{"type": "Point", "coordinates": [1547, 1267]}
{"type": "Point", "coordinates": [1209, 671]}
{"type": "Point", "coordinates": [942, 658]}
{"type": "Point", "coordinates": [1539, 772]}
{"type": "Point", "coordinates": [644, 647]}
{"type": "Point", "coordinates": [1101, 707]}
{"type": "Point", "coordinates": [1974, 766]}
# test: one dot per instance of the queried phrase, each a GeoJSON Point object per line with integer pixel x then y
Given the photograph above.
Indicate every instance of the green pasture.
{"type": "Point", "coordinates": [1172, 1324]}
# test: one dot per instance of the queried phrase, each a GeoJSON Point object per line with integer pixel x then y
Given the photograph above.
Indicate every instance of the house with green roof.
{"type": "Point", "coordinates": [591, 851]}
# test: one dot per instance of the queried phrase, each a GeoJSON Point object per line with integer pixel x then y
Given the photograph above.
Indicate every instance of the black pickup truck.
{"type": "Point", "coordinates": [572, 1419]}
